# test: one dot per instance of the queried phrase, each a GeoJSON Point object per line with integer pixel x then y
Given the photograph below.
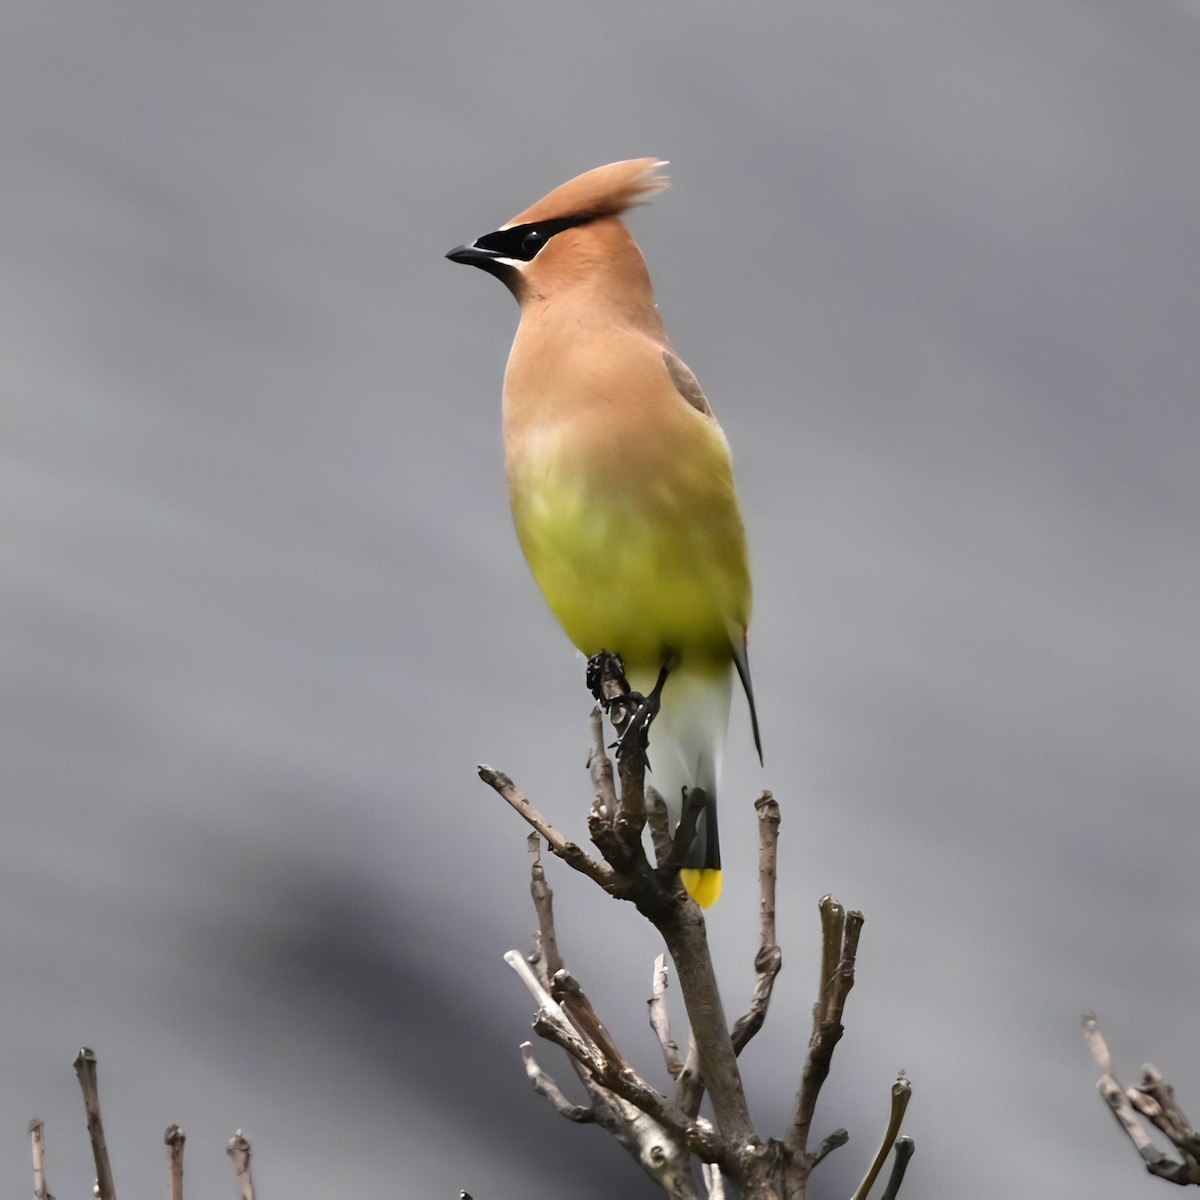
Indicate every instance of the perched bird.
{"type": "Point", "coordinates": [621, 483]}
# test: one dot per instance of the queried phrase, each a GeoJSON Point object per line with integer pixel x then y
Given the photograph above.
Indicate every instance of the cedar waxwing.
{"type": "Point", "coordinates": [621, 483]}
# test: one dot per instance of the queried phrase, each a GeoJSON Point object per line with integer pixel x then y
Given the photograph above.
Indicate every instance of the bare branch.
{"type": "Point", "coordinates": [660, 1133]}
{"type": "Point", "coordinates": [551, 1023]}
{"type": "Point", "coordinates": [769, 958]}
{"type": "Point", "coordinates": [840, 931]}
{"type": "Point", "coordinates": [175, 1138]}
{"type": "Point", "coordinates": [85, 1069]}
{"type": "Point", "coordinates": [569, 852]}
{"type": "Point", "coordinates": [601, 770]}
{"type": "Point", "coordinates": [901, 1091]}
{"type": "Point", "coordinates": [238, 1149]}
{"type": "Point", "coordinates": [660, 1020]}
{"type": "Point", "coordinates": [682, 928]}
{"type": "Point", "coordinates": [546, 1087]}
{"type": "Point", "coordinates": [534, 985]}
{"type": "Point", "coordinates": [1157, 1163]}
{"type": "Point", "coordinates": [905, 1147]}
{"type": "Point", "coordinates": [837, 1139]}
{"type": "Point", "coordinates": [690, 1090]}
{"type": "Point", "coordinates": [37, 1134]}
{"type": "Point", "coordinates": [660, 825]}
{"type": "Point", "coordinates": [543, 904]}
{"type": "Point", "coordinates": [632, 817]}
{"type": "Point", "coordinates": [1154, 1099]}
{"type": "Point", "coordinates": [565, 988]}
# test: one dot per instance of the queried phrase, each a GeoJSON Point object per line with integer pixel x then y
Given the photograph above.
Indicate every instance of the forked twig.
{"type": "Point", "coordinates": [552, 1023]}
{"type": "Point", "coordinates": [839, 947]}
{"type": "Point", "coordinates": [1154, 1100]}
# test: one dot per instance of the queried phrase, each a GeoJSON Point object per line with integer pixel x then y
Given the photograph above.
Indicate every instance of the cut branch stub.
{"type": "Point", "coordinates": [85, 1069]}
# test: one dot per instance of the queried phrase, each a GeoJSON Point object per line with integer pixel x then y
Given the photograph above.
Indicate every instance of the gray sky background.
{"type": "Point", "coordinates": [937, 266]}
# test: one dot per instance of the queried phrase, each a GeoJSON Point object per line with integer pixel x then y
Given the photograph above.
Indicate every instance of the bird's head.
{"type": "Point", "coordinates": [570, 233]}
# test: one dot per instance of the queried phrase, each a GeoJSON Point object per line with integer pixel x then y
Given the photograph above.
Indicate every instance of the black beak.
{"type": "Point", "coordinates": [473, 256]}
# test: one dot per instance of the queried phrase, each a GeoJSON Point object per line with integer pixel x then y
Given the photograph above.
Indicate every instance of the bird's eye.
{"type": "Point", "coordinates": [531, 243]}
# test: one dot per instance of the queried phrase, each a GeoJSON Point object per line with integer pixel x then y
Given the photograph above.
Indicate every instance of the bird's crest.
{"type": "Point", "coordinates": [603, 192]}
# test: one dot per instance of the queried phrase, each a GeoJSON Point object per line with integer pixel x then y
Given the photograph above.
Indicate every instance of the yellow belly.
{"type": "Point", "coordinates": [645, 570]}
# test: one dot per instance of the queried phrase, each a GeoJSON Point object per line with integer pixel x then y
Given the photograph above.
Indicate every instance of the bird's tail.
{"type": "Point", "coordinates": [687, 741]}
{"type": "Point", "coordinates": [701, 874]}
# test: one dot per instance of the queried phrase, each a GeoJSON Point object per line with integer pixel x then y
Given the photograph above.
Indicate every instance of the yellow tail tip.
{"type": "Point", "coordinates": [704, 886]}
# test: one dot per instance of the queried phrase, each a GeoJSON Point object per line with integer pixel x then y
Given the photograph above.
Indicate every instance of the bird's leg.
{"type": "Point", "coordinates": [633, 732]}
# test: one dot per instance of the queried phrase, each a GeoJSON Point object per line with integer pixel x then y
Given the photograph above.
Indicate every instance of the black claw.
{"type": "Point", "coordinates": [630, 712]}
{"type": "Point", "coordinates": [606, 668]}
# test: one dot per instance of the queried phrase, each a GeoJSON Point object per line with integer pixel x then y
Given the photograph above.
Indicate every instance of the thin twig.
{"type": "Point", "coordinates": [901, 1091]}
{"type": "Point", "coordinates": [572, 854]}
{"type": "Point", "coordinates": [543, 905]}
{"type": "Point", "coordinates": [837, 1139]}
{"type": "Point", "coordinates": [546, 1087]}
{"type": "Point", "coordinates": [238, 1149]}
{"type": "Point", "coordinates": [660, 1020]}
{"type": "Point", "coordinates": [175, 1138]}
{"type": "Point", "coordinates": [769, 958]}
{"type": "Point", "coordinates": [1096, 1043]}
{"type": "Point", "coordinates": [37, 1134]}
{"type": "Point", "coordinates": [85, 1069]}
{"type": "Point", "coordinates": [659, 821]}
{"type": "Point", "coordinates": [601, 770]}
{"type": "Point", "coordinates": [905, 1147]}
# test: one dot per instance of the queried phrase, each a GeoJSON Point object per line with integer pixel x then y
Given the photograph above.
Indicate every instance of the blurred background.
{"type": "Point", "coordinates": [938, 269]}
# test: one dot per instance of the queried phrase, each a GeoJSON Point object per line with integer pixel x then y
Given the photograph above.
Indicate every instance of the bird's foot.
{"type": "Point", "coordinates": [630, 712]}
{"type": "Point", "coordinates": [633, 723]}
{"type": "Point", "coordinates": [606, 678]}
